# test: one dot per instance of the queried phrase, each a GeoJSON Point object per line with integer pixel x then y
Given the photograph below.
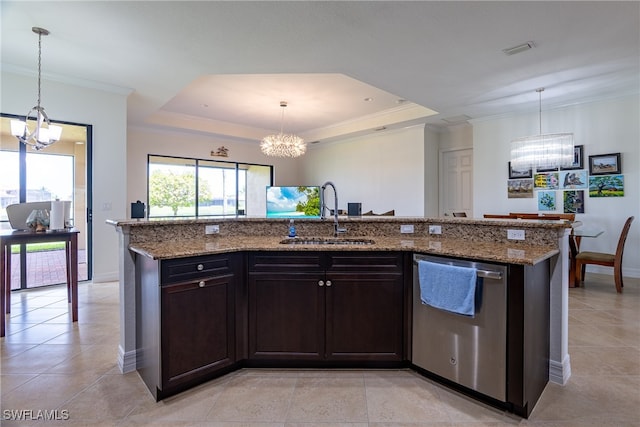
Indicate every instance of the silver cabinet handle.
{"type": "Point", "coordinates": [328, 282]}
{"type": "Point", "coordinates": [200, 267]}
{"type": "Point", "coordinates": [201, 284]}
{"type": "Point", "coordinates": [320, 283]}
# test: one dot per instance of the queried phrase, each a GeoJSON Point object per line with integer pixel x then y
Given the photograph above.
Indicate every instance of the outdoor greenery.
{"type": "Point", "coordinates": [311, 207]}
{"type": "Point", "coordinates": [606, 186]}
{"type": "Point", "coordinates": [167, 189]}
{"type": "Point", "coordinates": [39, 247]}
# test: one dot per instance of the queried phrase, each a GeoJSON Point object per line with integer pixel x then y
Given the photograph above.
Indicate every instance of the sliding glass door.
{"type": "Point", "coordinates": [59, 172]}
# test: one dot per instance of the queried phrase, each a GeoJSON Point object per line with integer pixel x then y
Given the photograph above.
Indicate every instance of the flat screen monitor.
{"type": "Point", "coordinates": [293, 202]}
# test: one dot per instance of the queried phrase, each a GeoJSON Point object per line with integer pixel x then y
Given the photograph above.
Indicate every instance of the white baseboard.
{"type": "Point", "coordinates": [126, 361]}
{"type": "Point", "coordinates": [105, 277]}
{"type": "Point", "coordinates": [559, 373]}
{"type": "Point", "coordinates": [626, 272]}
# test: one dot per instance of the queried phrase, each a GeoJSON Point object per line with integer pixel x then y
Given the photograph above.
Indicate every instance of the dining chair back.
{"type": "Point", "coordinates": [605, 259]}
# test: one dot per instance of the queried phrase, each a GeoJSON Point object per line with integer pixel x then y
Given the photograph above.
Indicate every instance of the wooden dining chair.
{"type": "Point", "coordinates": [605, 259]}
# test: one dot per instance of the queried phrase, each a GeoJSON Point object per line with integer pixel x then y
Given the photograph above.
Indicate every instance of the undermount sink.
{"type": "Point", "coordinates": [325, 241]}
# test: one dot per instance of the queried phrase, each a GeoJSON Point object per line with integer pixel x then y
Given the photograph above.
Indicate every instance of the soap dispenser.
{"type": "Point", "coordinates": [292, 229]}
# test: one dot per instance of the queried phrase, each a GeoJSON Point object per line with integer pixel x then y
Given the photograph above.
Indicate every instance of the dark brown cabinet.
{"type": "Point", "coordinates": [186, 315]}
{"type": "Point", "coordinates": [326, 307]}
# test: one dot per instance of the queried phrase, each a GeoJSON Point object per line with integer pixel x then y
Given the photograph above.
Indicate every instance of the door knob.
{"type": "Point", "coordinates": [201, 284]}
{"type": "Point", "coordinates": [320, 283]}
{"type": "Point", "coordinates": [328, 282]}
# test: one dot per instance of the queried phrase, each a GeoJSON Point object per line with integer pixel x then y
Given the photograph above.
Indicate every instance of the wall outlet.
{"type": "Point", "coordinates": [211, 229]}
{"type": "Point", "coordinates": [515, 234]}
{"type": "Point", "coordinates": [435, 229]}
{"type": "Point", "coordinates": [406, 228]}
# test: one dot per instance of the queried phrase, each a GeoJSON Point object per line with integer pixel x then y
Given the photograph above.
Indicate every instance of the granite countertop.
{"type": "Point", "coordinates": [486, 251]}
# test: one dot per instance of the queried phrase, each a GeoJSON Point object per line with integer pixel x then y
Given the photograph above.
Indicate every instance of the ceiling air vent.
{"type": "Point", "coordinates": [463, 118]}
{"type": "Point", "coordinates": [520, 48]}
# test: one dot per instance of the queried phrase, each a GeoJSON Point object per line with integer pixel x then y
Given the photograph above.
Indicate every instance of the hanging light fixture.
{"type": "Point", "coordinates": [549, 151]}
{"type": "Point", "coordinates": [44, 134]}
{"type": "Point", "coordinates": [283, 144]}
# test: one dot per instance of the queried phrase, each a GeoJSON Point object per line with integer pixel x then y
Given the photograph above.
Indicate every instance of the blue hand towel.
{"type": "Point", "coordinates": [448, 287]}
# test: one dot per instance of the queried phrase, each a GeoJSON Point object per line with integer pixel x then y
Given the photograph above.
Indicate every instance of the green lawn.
{"type": "Point", "coordinates": [39, 247]}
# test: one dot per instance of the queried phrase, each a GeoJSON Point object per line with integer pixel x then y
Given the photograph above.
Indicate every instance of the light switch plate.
{"type": "Point", "coordinates": [211, 229]}
{"type": "Point", "coordinates": [406, 228]}
{"type": "Point", "coordinates": [435, 229]}
{"type": "Point", "coordinates": [515, 234]}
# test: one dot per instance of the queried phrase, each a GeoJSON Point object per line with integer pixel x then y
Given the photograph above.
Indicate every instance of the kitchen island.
{"type": "Point", "coordinates": [154, 243]}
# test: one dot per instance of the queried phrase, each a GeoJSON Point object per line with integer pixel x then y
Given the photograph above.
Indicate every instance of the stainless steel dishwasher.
{"type": "Point", "coordinates": [470, 351]}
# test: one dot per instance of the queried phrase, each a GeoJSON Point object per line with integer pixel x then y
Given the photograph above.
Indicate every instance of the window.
{"type": "Point", "coordinates": [185, 187]}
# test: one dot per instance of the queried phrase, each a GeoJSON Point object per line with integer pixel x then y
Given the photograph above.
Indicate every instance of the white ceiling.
{"type": "Point", "coordinates": [243, 58]}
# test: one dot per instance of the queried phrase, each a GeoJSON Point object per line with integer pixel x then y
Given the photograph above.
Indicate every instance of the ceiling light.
{"type": "Point", "coordinates": [282, 144]}
{"type": "Point", "coordinates": [548, 151]}
{"type": "Point", "coordinates": [517, 49]}
{"type": "Point", "coordinates": [44, 133]}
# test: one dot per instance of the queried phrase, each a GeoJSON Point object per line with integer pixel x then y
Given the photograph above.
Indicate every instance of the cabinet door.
{"type": "Point", "coordinates": [198, 329]}
{"type": "Point", "coordinates": [364, 317]}
{"type": "Point", "coordinates": [286, 316]}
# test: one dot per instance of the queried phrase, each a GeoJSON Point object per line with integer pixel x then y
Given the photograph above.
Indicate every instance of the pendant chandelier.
{"type": "Point", "coordinates": [44, 133]}
{"type": "Point", "coordinates": [542, 151]}
{"type": "Point", "coordinates": [283, 144]}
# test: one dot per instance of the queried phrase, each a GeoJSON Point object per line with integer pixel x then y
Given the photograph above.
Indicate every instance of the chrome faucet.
{"type": "Point", "coordinates": [336, 228]}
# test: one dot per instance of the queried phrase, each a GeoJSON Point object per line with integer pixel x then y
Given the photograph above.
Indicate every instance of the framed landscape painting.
{"type": "Point", "coordinates": [605, 164]}
{"type": "Point", "coordinates": [520, 173]}
{"type": "Point", "coordinates": [520, 189]}
{"type": "Point", "coordinates": [606, 186]}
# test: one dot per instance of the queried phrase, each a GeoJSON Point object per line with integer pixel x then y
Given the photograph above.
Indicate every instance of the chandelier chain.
{"type": "Point", "coordinates": [39, 64]}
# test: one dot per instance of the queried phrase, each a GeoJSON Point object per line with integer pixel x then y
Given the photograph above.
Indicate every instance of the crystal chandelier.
{"type": "Point", "coordinates": [537, 151]}
{"type": "Point", "coordinates": [283, 144]}
{"type": "Point", "coordinates": [44, 134]}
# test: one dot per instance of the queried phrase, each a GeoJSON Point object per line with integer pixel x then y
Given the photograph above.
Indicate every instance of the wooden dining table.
{"type": "Point", "coordinates": [15, 237]}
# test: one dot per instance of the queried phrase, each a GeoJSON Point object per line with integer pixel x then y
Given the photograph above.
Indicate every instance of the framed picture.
{"type": "Point", "coordinates": [605, 164]}
{"type": "Point", "coordinates": [546, 169]}
{"type": "Point", "coordinates": [578, 158]}
{"type": "Point", "coordinates": [520, 188]}
{"type": "Point", "coordinates": [546, 200]}
{"type": "Point", "coordinates": [520, 173]}
{"type": "Point", "coordinates": [546, 181]}
{"type": "Point", "coordinates": [573, 201]}
{"type": "Point", "coordinates": [606, 186]}
{"type": "Point", "coordinates": [573, 179]}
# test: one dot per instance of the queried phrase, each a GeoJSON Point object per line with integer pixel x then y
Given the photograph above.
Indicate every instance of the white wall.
{"type": "Point", "coordinates": [602, 127]}
{"type": "Point", "coordinates": [383, 171]}
{"type": "Point", "coordinates": [107, 112]}
{"type": "Point", "coordinates": [142, 142]}
{"type": "Point", "coordinates": [431, 172]}
{"type": "Point", "coordinates": [456, 137]}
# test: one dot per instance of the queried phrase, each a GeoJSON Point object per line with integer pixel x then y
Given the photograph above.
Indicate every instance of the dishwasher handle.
{"type": "Point", "coordinates": [486, 274]}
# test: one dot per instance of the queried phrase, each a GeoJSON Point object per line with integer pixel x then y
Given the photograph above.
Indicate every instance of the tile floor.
{"type": "Point", "coordinates": [50, 364]}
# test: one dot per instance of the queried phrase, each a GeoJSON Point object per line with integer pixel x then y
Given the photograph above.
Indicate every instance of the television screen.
{"type": "Point", "coordinates": [293, 202]}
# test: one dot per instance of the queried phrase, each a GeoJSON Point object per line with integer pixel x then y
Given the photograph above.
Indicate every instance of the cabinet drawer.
{"type": "Point", "coordinates": [370, 262]}
{"type": "Point", "coordinates": [293, 262]}
{"type": "Point", "coordinates": [184, 269]}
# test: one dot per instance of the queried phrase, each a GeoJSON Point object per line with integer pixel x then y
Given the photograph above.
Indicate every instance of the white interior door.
{"type": "Point", "coordinates": [456, 182]}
